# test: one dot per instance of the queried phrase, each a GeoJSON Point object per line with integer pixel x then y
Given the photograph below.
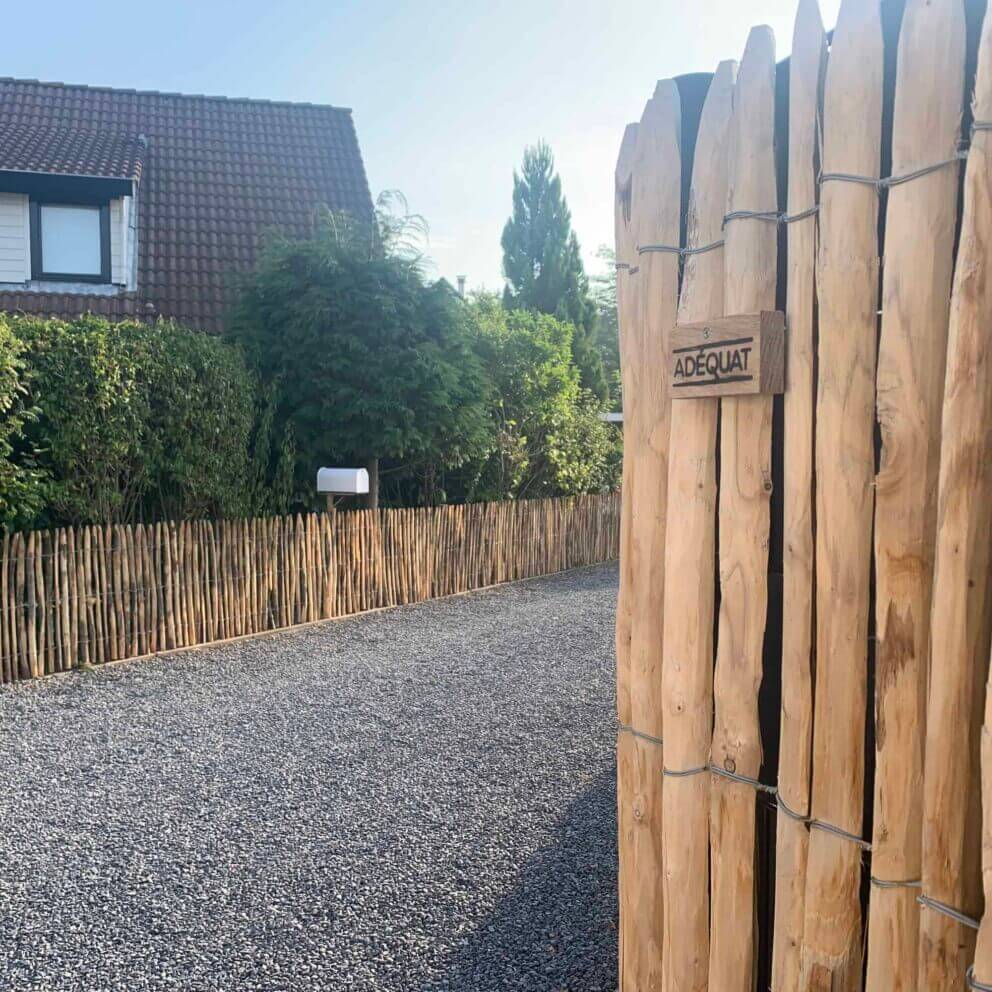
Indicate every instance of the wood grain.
{"type": "Point", "coordinates": [983, 947]}
{"type": "Point", "coordinates": [745, 486]}
{"type": "Point", "coordinates": [627, 313]}
{"type": "Point", "coordinates": [687, 669]}
{"type": "Point", "coordinates": [744, 353]}
{"type": "Point", "coordinates": [920, 222]}
{"type": "Point", "coordinates": [847, 284]}
{"type": "Point", "coordinates": [655, 203]}
{"type": "Point", "coordinates": [960, 615]}
{"type": "Point", "coordinates": [806, 69]}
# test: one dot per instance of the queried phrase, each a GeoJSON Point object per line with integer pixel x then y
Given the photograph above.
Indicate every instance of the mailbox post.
{"type": "Point", "coordinates": [342, 482]}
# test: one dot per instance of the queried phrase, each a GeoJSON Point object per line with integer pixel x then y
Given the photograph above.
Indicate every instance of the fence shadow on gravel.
{"type": "Point", "coordinates": [557, 930]}
{"type": "Point", "coordinates": [85, 596]}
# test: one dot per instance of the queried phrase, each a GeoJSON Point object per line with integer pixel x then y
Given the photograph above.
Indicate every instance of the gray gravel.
{"type": "Point", "coordinates": [420, 799]}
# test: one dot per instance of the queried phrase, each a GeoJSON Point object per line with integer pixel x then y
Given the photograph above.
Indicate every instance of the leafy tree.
{"type": "Point", "coordinates": [542, 262]}
{"type": "Point", "coordinates": [604, 295]}
{"type": "Point", "coordinates": [21, 484]}
{"type": "Point", "coordinates": [549, 436]}
{"type": "Point", "coordinates": [369, 362]}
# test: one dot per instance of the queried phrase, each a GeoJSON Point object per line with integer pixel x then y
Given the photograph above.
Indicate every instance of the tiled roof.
{"type": "Point", "coordinates": [216, 175]}
{"type": "Point", "coordinates": [70, 152]}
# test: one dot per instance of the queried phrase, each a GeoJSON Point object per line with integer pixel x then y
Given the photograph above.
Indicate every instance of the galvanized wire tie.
{"type": "Point", "coordinates": [675, 250]}
{"type": "Point", "coordinates": [949, 911]}
{"type": "Point", "coordinates": [772, 216]}
{"type": "Point", "coordinates": [884, 883]}
{"type": "Point", "coordinates": [717, 770]}
{"type": "Point", "coordinates": [627, 729]}
{"type": "Point", "coordinates": [887, 182]}
{"type": "Point", "coordinates": [969, 976]}
{"type": "Point", "coordinates": [812, 821]}
{"type": "Point", "coordinates": [770, 790]}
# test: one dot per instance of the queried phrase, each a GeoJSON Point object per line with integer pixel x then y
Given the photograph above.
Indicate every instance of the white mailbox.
{"type": "Point", "coordinates": [343, 481]}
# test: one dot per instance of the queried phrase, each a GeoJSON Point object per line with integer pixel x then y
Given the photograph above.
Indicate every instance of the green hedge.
{"type": "Point", "coordinates": [129, 421]}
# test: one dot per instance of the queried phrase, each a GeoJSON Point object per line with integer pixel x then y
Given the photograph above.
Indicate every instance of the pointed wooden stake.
{"type": "Point", "coordinates": [960, 616]}
{"type": "Point", "coordinates": [687, 672]}
{"type": "Point", "coordinates": [745, 489]}
{"type": "Point", "coordinates": [847, 285]}
{"type": "Point", "coordinates": [806, 68]}
{"type": "Point", "coordinates": [655, 202]}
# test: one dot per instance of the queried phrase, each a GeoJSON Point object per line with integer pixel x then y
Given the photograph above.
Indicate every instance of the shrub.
{"type": "Point", "coordinates": [550, 439]}
{"type": "Point", "coordinates": [139, 422]}
{"type": "Point", "coordinates": [21, 484]}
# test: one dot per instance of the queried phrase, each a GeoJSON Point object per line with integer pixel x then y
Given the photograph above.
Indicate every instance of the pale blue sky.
{"type": "Point", "coordinates": [445, 94]}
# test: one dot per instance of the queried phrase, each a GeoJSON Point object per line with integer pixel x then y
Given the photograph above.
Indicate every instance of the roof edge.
{"type": "Point", "coordinates": [255, 101]}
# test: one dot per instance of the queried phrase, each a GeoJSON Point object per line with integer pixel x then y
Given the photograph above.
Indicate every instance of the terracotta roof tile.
{"type": "Point", "coordinates": [70, 152]}
{"type": "Point", "coordinates": [215, 175]}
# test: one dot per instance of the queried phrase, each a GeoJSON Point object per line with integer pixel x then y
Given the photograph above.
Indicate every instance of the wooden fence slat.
{"type": "Point", "coordinates": [745, 486]}
{"type": "Point", "coordinates": [920, 222]}
{"type": "Point", "coordinates": [687, 668]}
{"type": "Point", "coordinates": [626, 258]}
{"type": "Point", "coordinates": [847, 289]}
{"type": "Point", "coordinates": [806, 68]}
{"type": "Point", "coordinates": [655, 205]}
{"type": "Point", "coordinates": [983, 948]}
{"type": "Point", "coordinates": [9, 671]}
{"type": "Point", "coordinates": [960, 615]}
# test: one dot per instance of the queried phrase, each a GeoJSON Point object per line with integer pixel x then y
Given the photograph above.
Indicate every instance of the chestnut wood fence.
{"type": "Point", "coordinates": [88, 595]}
{"type": "Point", "coordinates": [805, 613]}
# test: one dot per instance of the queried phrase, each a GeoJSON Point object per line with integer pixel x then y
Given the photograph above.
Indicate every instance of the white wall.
{"type": "Point", "coordinates": [15, 238]}
{"type": "Point", "coordinates": [119, 248]}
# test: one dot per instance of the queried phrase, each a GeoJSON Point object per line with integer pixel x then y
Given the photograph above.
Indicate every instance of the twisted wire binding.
{"type": "Point", "coordinates": [627, 729]}
{"type": "Point", "coordinates": [969, 976]}
{"type": "Point", "coordinates": [681, 252]}
{"type": "Point", "coordinates": [780, 803]}
{"type": "Point", "coordinates": [789, 812]}
{"type": "Point", "coordinates": [887, 182]}
{"type": "Point", "coordinates": [909, 883]}
{"type": "Point", "coordinates": [770, 215]}
{"type": "Point", "coordinates": [949, 911]}
{"type": "Point", "coordinates": [684, 773]}
{"type": "Point", "coordinates": [773, 216]}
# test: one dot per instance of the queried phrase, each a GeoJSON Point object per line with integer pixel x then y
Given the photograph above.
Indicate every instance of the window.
{"type": "Point", "coordinates": [70, 242]}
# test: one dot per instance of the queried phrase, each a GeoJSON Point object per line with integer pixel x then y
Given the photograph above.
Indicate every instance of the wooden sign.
{"type": "Point", "coordinates": [729, 356]}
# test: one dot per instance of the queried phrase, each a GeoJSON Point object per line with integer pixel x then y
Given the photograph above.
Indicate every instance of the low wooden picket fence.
{"type": "Point", "coordinates": [88, 595]}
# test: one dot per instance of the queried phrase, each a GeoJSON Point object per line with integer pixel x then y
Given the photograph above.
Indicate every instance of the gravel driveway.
{"type": "Point", "coordinates": [420, 799]}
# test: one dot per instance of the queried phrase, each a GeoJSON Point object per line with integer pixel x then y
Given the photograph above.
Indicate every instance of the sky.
{"type": "Point", "coordinates": [445, 95]}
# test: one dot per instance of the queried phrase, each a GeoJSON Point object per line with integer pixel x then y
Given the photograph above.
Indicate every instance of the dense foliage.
{"type": "Point", "coordinates": [21, 494]}
{"type": "Point", "coordinates": [134, 421]}
{"type": "Point", "coordinates": [549, 438]}
{"type": "Point", "coordinates": [542, 262]}
{"type": "Point", "coordinates": [603, 289]}
{"type": "Point", "coordinates": [368, 361]}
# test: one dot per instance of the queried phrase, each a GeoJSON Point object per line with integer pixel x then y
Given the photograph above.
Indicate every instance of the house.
{"type": "Point", "coordinates": [146, 204]}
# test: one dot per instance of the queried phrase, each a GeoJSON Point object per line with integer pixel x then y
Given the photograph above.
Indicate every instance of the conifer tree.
{"type": "Point", "coordinates": [542, 262]}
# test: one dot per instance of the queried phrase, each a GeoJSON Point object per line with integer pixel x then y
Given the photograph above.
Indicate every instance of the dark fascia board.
{"type": "Point", "coordinates": [78, 189]}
